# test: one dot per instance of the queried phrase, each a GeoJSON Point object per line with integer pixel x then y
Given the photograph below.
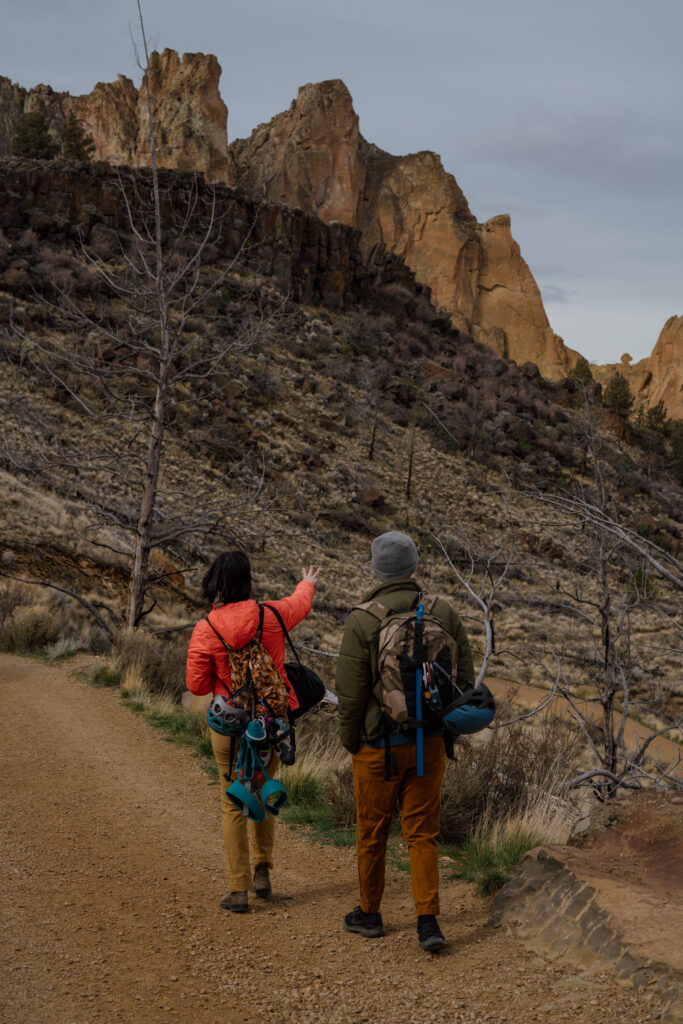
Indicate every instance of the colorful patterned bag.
{"type": "Point", "coordinates": [255, 683]}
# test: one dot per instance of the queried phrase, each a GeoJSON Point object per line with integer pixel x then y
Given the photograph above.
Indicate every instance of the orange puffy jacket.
{"type": "Point", "coordinates": [208, 670]}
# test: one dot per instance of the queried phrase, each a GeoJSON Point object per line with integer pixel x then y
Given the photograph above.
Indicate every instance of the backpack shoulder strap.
{"type": "Point", "coordinates": [227, 646]}
{"type": "Point", "coordinates": [282, 626]}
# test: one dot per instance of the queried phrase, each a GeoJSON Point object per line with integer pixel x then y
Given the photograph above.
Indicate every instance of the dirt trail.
{"type": "Point", "coordinates": [112, 869]}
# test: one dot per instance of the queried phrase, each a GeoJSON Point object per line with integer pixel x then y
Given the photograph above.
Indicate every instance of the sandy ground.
{"type": "Point", "coordinates": [112, 869]}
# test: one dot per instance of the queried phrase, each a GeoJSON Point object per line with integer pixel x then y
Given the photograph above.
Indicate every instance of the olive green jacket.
{"type": "Point", "coordinates": [360, 715]}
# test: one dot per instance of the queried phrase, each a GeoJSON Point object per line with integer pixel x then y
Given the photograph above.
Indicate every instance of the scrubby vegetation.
{"type": "Point", "coordinates": [29, 621]}
{"type": "Point", "coordinates": [146, 663]}
{"type": "Point", "coordinates": [337, 423]}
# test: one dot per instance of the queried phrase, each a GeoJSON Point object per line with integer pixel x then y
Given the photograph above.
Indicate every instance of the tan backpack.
{"type": "Point", "coordinates": [256, 685]}
{"type": "Point", "coordinates": [395, 685]}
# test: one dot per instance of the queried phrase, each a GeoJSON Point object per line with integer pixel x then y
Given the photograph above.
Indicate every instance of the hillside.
{"type": "Point", "coordinates": [302, 444]}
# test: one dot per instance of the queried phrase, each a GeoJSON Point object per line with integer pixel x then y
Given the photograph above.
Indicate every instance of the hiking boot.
{"type": "Point", "coordinates": [429, 934]}
{"type": "Point", "coordinates": [238, 902]}
{"type": "Point", "coordinates": [369, 925]}
{"type": "Point", "coordinates": [261, 884]}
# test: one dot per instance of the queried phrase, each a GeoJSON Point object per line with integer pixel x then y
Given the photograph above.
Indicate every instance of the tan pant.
{"type": "Point", "coordinates": [419, 801]}
{"type": "Point", "coordinates": [236, 828]}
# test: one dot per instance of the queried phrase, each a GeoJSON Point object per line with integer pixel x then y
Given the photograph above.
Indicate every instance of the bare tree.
{"type": "Point", "coordinates": [136, 359]}
{"type": "Point", "coordinates": [482, 572]}
{"type": "Point", "coordinates": [607, 591]}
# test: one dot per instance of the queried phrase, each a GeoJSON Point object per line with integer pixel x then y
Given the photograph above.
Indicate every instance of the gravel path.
{"type": "Point", "coordinates": [111, 875]}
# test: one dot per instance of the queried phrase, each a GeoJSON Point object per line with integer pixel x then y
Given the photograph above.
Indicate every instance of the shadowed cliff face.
{"type": "Point", "coordinates": [310, 261]}
{"type": "Point", "coordinates": [314, 155]}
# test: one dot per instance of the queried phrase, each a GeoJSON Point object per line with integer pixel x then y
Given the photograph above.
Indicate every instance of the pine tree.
{"type": "Point", "coordinates": [581, 372]}
{"type": "Point", "coordinates": [656, 419]}
{"type": "Point", "coordinates": [76, 143]}
{"type": "Point", "coordinates": [617, 396]}
{"type": "Point", "coordinates": [32, 139]}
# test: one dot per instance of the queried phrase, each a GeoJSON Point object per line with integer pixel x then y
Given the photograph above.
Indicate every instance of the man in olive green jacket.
{"type": "Point", "coordinates": [362, 732]}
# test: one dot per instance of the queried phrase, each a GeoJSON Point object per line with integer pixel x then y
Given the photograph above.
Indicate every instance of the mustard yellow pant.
{"type": "Point", "coordinates": [237, 829]}
{"type": "Point", "coordinates": [419, 801]}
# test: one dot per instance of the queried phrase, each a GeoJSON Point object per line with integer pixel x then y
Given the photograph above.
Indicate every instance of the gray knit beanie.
{"type": "Point", "coordinates": [393, 555]}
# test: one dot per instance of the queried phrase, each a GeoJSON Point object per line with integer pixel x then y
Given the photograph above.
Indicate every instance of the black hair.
{"type": "Point", "coordinates": [228, 578]}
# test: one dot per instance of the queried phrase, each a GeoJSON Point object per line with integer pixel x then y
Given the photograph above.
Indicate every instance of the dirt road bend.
{"type": "Point", "coordinates": [112, 869]}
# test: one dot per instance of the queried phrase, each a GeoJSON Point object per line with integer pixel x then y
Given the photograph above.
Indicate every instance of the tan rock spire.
{"type": "Point", "coordinates": [190, 114]}
{"type": "Point", "coordinates": [313, 155]}
{"type": "Point", "coordinates": [658, 377]}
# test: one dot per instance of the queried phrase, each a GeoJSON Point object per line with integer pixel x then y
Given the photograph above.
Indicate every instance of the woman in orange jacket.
{"type": "Point", "coordinates": [235, 616]}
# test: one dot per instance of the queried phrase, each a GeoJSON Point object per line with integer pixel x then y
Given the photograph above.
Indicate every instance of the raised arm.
{"type": "Point", "coordinates": [297, 606]}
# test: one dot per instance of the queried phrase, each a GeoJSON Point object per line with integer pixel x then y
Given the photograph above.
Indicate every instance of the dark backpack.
{"type": "Point", "coordinates": [306, 683]}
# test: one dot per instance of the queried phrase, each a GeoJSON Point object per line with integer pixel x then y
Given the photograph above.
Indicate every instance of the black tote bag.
{"type": "Point", "coordinates": [307, 684]}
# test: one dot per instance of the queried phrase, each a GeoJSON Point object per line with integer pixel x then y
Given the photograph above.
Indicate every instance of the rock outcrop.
{"type": "Point", "coordinates": [313, 155]}
{"type": "Point", "coordinates": [190, 115]}
{"type": "Point", "coordinates": [312, 262]}
{"type": "Point", "coordinates": [658, 377]}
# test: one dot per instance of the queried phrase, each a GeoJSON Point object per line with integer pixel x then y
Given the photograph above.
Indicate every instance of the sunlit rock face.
{"type": "Point", "coordinates": [314, 155]}
{"type": "Point", "coordinates": [658, 377]}
{"type": "Point", "coordinates": [191, 118]}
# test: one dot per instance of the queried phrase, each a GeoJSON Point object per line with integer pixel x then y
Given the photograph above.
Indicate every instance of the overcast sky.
{"type": "Point", "coordinates": [566, 115]}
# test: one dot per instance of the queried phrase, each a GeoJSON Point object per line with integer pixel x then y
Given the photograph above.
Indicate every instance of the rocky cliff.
{"type": "Point", "coordinates": [190, 115]}
{"type": "Point", "coordinates": [659, 377]}
{"type": "Point", "coordinates": [314, 155]}
{"type": "Point", "coordinates": [312, 262]}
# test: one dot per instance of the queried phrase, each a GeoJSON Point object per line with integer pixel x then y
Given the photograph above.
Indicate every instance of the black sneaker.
{"type": "Point", "coordinates": [429, 933]}
{"type": "Point", "coordinates": [369, 925]}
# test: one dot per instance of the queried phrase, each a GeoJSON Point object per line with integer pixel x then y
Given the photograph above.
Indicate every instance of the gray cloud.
{"type": "Point", "coordinates": [554, 293]}
{"type": "Point", "coordinates": [613, 149]}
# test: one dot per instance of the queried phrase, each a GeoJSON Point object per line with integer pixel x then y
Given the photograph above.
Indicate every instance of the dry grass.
{"type": "Point", "coordinates": [27, 623]}
{"type": "Point", "coordinates": [135, 686]}
{"type": "Point", "coordinates": [505, 775]}
{"type": "Point", "coordinates": [63, 646]}
{"type": "Point", "coordinates": [497, 843]}
{"type": "Point", "coordinates": [146, 660]}
{"type": "Point", "coordinates": [319, 758]}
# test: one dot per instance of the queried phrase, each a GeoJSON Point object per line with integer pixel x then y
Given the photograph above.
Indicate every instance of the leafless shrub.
{"type": "Point", "coordinates": [505, 774]}
{"type": "Point", "coordinates": [339, 797]}
{"type": "Point", "coordinates": [29, 239]}
{"type": "Point", "coordinates": [12, 596]}
{"type": "Point", "coordinates": [62, 646]}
